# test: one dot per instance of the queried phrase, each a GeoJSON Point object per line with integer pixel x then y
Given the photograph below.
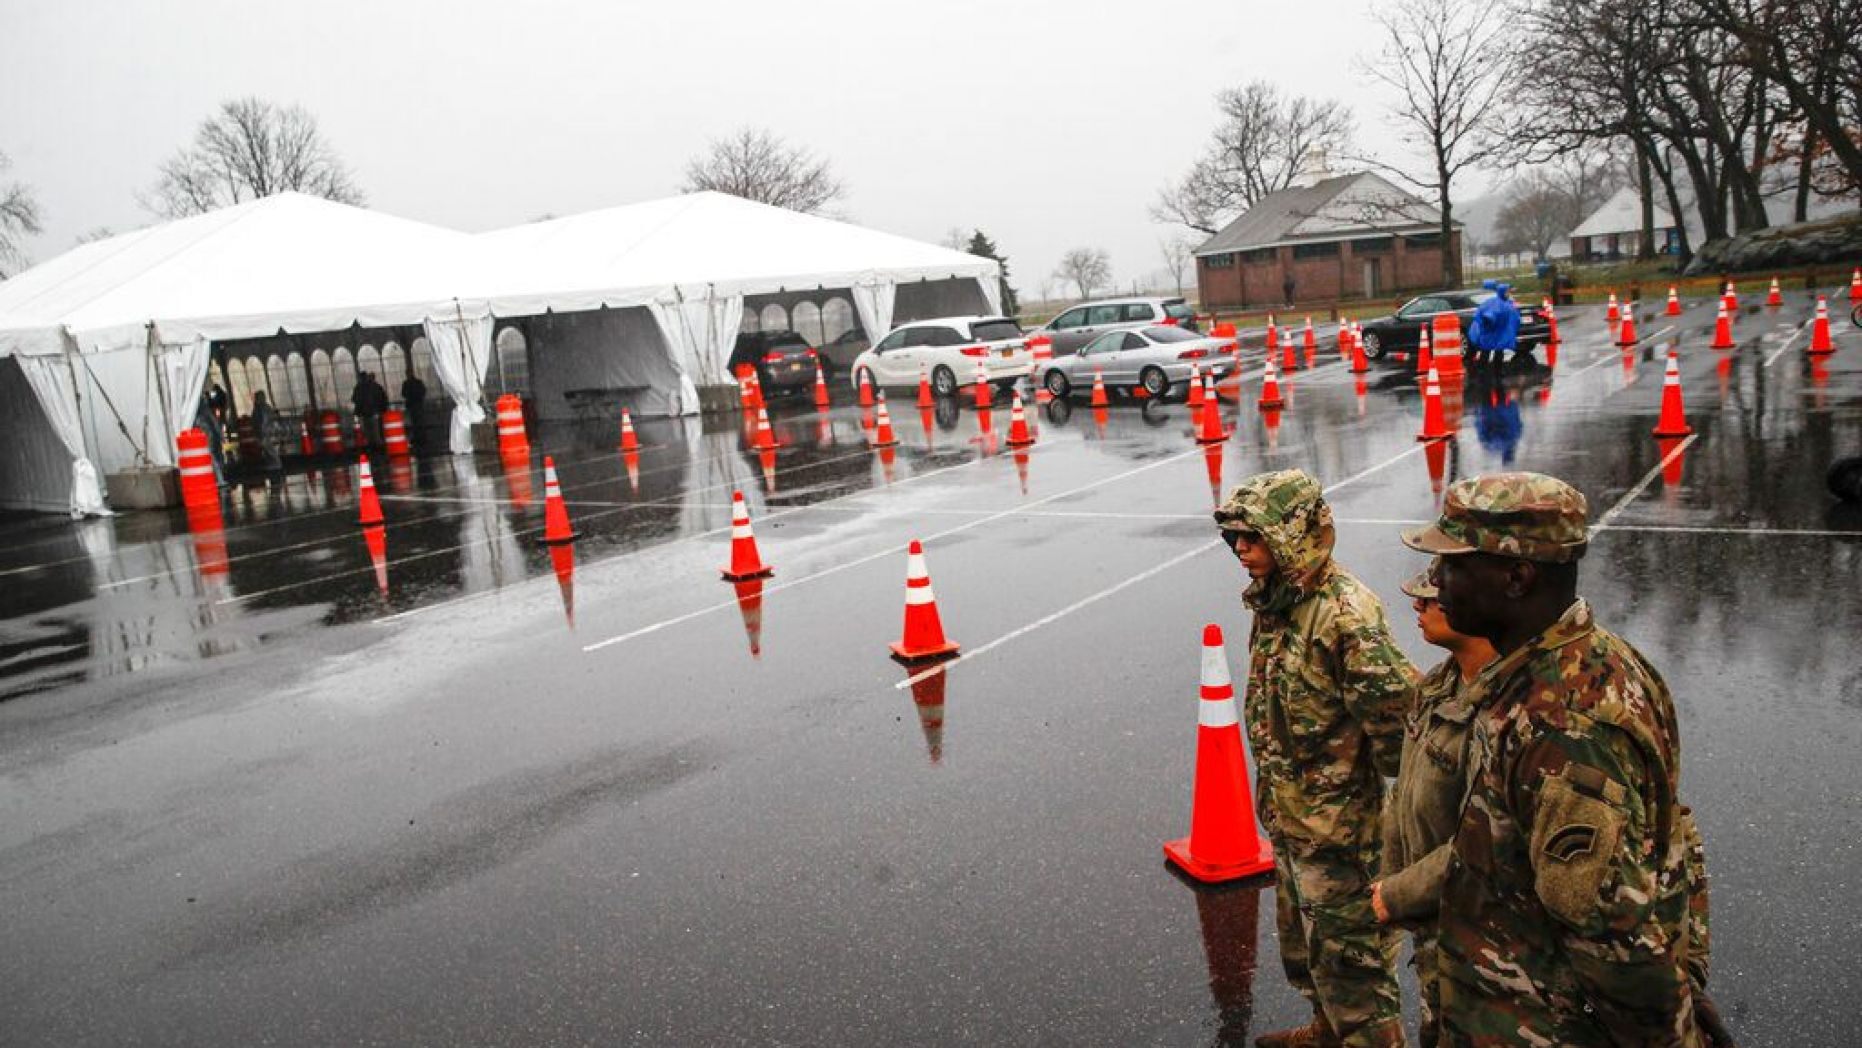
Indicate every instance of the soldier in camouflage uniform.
{"type": "Point", "coordinates": [1324, 711]}
{"type": "Point", "coordinates": [1573, 913]}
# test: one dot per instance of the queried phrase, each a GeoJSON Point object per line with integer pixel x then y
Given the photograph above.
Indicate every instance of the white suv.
{"type": "Point", "coordinates": [948, 349]}
{"type": "Point", "coordinates": [1088, 320]}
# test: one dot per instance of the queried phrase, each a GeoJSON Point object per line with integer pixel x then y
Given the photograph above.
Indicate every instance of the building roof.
{"type": "Point", "coordinates": [1622, 213]}
{"type": "Point", "coordinates": [1345, 207]}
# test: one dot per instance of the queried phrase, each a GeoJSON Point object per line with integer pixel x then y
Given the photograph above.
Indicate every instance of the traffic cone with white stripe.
{"type": "Point", "coordinates": [1211, 424]}
{"type": "Point", "coordinates": [1775, 297]}
{"type": "Point", "coordinates": [1820, 329]}
{"type": "Point", "coordinates": [983, 389]}
{"type": "Point", "coordinates": [556, 528]}
{"type": "Point", "coordinates": [1289, 357]}
{"type": "Point", "coordinates": [1195, 396]}
{"type": "Point", "coordinates": [367, 499]}
{"type": "Point", "coordinates": [924, 630]}
{"type": "Point", "coordinates": [1723, 331]}
{"type": "Point", "coordinates": [1674, 302]}
{"type": "Point", "coordinates": [1673, 422]}
{"type": "Point", "coordinates": [1311, 344]}
{"type": "Point", "coordinates": [1270, 389]}
{"type": "Point", "coordinates": [746, 562]}
{"type": "Point", "coordinates": [1626, 334]}
{"type": "Point", "coordinates": [1732, 299]}
{"type": "Point", "coordinates": [630, 441]}
{"type": "Point", "coordinates": [1424, 358]}
{"type": "Point", "coordinates": [1434, 425]}
{"type": "Point", "coordinates": [1099, 390]}
{"type": "Point", "coordinates": [866, 388]}
{"type": "Point", "coordinates": [1019, 437]}
{"type": "Point", "coordinates": [882, 433]}
{"type": "Point", "coordinates": [1614, 313]}
{"type": "Point", "coordinates": [765, 439]}
{"type": "Point", "coordinates": [1224, 844]}
{"type": "Point", "coordinates": [1273, 335]}
{"type": "Point", "coordinates": [1551, 323]}
{"type": "Point", "coordinates": [925, 400]}
{"type": "Point", "coordinates": [1358, 364]}
{"type": "Point", "coordinates": [823, 399]}
{"type": "Point", "coordinates": [1855, 285]}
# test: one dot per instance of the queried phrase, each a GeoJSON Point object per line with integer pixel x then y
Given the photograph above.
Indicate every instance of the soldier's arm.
{"type": "Point", "coordinates": [1579, 795]}
{"type": "Point", "coordinates": [1377, 680]}
{"type": "Point", "coordinates": [1414, 893]}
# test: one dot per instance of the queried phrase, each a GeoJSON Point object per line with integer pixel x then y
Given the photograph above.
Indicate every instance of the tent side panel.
{"type": "Point", "coordinates": [35, 469]}
{"type": "Point", "coordinates": [619, 350]}
{"type": "Point", "coordinates": [924, 299]}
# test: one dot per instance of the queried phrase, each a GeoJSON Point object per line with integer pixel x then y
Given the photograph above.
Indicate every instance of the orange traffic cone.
{"type": "Point", "coordinates": [1424, 358]}
{"type": "Point", "coordinates": [1289, 358]}
{"type": "Point", "coordinates": [925, 400]}
{"type": "Point", "coordinates": [982, 387]}
{"type": "Point", "coordinates": [1626, 334]}
{"type": "Point", "coordinates": [1855, 285]}
{"type": "Point", "coordinates": [1723, 331]}
{"type": "Point", "coordinates": [924, 630]}
{"type": "Point", "coordinates": [746, 563]}
{"type": "Point", "coordinates": [1614, 313]}
{"type": "Point", "coordinates": [1099, 390]}
{"type": "Point", "coordinates": [1273, 335]}
{"type": "Point", "coordinates": [1732, 299]}
{"type": "Point", "coordinates": [1674, 302]}
{"type": "Point", "coordinates": [1358, 364]}
{"type": "Point", "coordinates": [1776, 297]}
{"type": "Point", "coordinates": [756, 392]}
{"type": "Point", "coordinates": [1211, 426]}
{"type": "Point", "coordinates": [1195, 395]}
{"type": "Point", "coordinates": [1019, 437]}
{"type": "Point", "coordinates": [823, 400]}
{"type": "Point", "coordinates": [1311, 344]}
{"type": "Point", "coordinates": [1551, 324]}
{"type": "Point", "coordinates": [1224, 844]}
{"type": "Point", "coordinates": [866, 389]}
{"type": "Point", "coordinates": [1434, 427]}
{"type": "Point", "coordinates": [367, 499]}
{"type": "Point", "coordinates": [746, 398]}
{"type": "Point", "coordinates": [765, 439]}
{"type": "Point", "coordinates": [629, 440]}
{"type": "Point", "coordinates": [555, 514]}
{"type": "Point", "coordinates": [1270, 389]}
{"type": "Point", "coordinates": [1819, 330]}
{"type": "Point", "coordinates": [1673, 422]}
{"type": "Point", "coordinates": [882, 434]}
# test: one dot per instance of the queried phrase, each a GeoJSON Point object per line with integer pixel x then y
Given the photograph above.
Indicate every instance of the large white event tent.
{"type": "Point", "coordinates": [113, 339]}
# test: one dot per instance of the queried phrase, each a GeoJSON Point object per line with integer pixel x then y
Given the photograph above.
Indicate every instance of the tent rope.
{"type": "Point", "coordinates": [142, 456]}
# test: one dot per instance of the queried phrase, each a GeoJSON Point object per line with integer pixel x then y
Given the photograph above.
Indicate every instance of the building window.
{"type": "Point", "coordinates": [1222, 261]}
{"type": "Point", "coordinates": [1373, 246]}
{"type": "Point", "coordinates": [1329, 249]}
{"type": "Point", "coordinates": [1425, 240]}
{"type": "Point", "coordinates": [1259, 254]}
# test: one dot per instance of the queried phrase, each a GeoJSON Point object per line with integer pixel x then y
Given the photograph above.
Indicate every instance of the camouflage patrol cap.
{"type": "Point", "coordinates": [1526, 515]}
{"type": "Point", "coordinates": [1422, 584]}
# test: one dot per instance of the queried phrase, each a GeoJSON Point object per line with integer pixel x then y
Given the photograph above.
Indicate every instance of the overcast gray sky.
{"type": "Point", "coordinates": [1049, 125]}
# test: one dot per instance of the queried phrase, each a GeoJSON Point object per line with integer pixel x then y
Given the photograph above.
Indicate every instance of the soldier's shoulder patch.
{"type": "Point", "coordinates": [1575, 832]}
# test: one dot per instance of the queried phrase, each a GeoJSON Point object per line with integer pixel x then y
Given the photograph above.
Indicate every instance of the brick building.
{"type": "Point", "coordinates": [1349, 236]}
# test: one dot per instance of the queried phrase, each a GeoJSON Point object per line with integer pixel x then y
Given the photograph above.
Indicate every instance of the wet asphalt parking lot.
{"type": "Point", "coordinates": [248, 795]}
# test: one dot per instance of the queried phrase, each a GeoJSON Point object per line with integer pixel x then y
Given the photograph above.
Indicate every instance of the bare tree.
{"type": "Point", "coordinates": [754, 164]}
{"type": "Point", "coordinates": [251, 148]}
{"type": "Point", "coordinates": [956, 239]}
{"type": "Point", "coordinates": [19, 217]}
{"type": "Point", "coordinates": [1087, 268]}
{"type": "Point", "coordinates": [1532, 218]}
{"type": "Point", "coordinates": [1178, 252]}
{"type": "Point", "coordinates": [1447, 62]}
{"type": "Point", "coordinates": [1265, 141]}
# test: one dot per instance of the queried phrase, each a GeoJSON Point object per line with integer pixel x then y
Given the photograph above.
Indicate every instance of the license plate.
{"type": "Point", "coordinates": [1007, 353]}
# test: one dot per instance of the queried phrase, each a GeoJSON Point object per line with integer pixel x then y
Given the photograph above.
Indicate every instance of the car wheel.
{"type": "Point", "coordinates": [943, 381]}
{"type": "Point", "coordinates": [1373, 345]}
{"type": "Point", "coordinates": [1154, 381]}
{"type": "Point", "coordinates": [1057, 383]}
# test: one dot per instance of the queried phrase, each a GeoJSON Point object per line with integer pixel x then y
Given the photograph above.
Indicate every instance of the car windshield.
{"type": "Point", "coordinates": [994, 330]}
{"type": "Point", "coordinates": [787, 341]}
{"type": "Point", "coordinates": [1161, 333]}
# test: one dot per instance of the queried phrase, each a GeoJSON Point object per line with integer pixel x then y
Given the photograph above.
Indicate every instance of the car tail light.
{"type": "Point", "coordinates": [772, 357]}
{"type": "Point", "coordinates": [809, 352]}
{"type": "Point", "coordinates": [1168, 321]}
{"type": "Point", "coordinates": [975, 351]}
{"type": "Point", "coordinates": [1193, 354]}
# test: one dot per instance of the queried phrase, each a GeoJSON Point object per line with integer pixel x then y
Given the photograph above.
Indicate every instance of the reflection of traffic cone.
{"type": "Point", "coordinates": [1434, 427]}
{"type": "Point", "coordinates": [757, 403]}
{"type": "Point", "coordinates": [1270, 421]}
{"type": "Point", "coordinates": [924, 389]}
{"type": "Point", "coordinates": [866, 389]}
{"type": "Point", "coordinates": [632, 460]}
{"type": "Point", "coordinates": [823, 399]}
{"type": "Point", "coordinates": [1311, 345]}
{"type": "Point", "coordinates": [516, 477]}
{"type": "Point", "coordinates": [750, 603]}
{"type": "Point", "coordinates": [1724, 370]}
{"type": "Point", "coordinates": [1211, 426]}
{"type": "Point", "coordinates": [1551, 354]}
{"type": "Point", "coordinates": [1674, 302]}
{"type": "Point", "coordinates": [1626, 334]}
{"type": "Point", "coordinates": [746, 562]}
{"type": "Point", "coordinates": [765, 437]}
{"type": "Point", "coordinates": [1774, 297]}
{"type": "Point", "coordinates": [555, 514]}
{"type": "Point", "coordinates": [1021, 468]}
{"type": "Point", "coordinates": [882, 435]}
{"type": "Point", "coordinates": [1723, 331]}
{"type": "Point", "coordinates": [375, 537]}
{"type": "Point", "coordinates": [767, 460]}
{"type": "Point", "coordinates": [1270, 389]}
{"type": "Point", "coordinates": [982, 387]}
{"type": "Point", "coordinates": [924, 631]}
{"type": "Point", "coordinates": [1099, 390]}
{"type": "Point", "coordinates": [887, 455]}
{"type": "Point", "coordinates": [629, 440]}
{"type": "Point", "coordinates": [1425, 359]}
{"type": "Point", "coordinates": [1358, 391]}
{"type": "Point", "coordinates": [1820, 329]}
{"type": "Point", "coordinates": [1100, 418]}
{"type": "Point", "coordinates": [1673, 422]}
{"type": "Point", "coordinates": [368, 501]}
{"type": "Point", "coordinates": [1230, 920]}
{"type": "Point", "coordinates": [1019, 437]}
{"type": "Point", "coordinates": [1223, 844]}
{"type": "Point", "coordinates": [1436, 452]}
{"type": "Point", "coordinates": [1212, 462]}
{"type": "Point", "coordinates": [1613, 314]}
{"type": "Point", "coordinates": [928, 699]}
{"type": "Point", "coordinates": [562, 562]}
{"type": "Point", "coordinates": [1669, 448]}
{"type": "Point", "coordinates": [745, 399]}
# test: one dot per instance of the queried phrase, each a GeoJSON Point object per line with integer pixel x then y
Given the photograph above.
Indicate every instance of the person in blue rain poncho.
{"type": "Point", "coordinates": [1496, 324]}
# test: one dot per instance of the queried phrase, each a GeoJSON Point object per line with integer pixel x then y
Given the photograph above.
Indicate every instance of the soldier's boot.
{"type": "Point", "coordinates": [1315, 1034]}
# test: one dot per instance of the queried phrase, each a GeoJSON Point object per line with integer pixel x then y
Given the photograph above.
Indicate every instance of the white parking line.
{"type": "Point", "coordinates": [1603, 522]}
{"type": "Point", "coordinates": [1787, 345]}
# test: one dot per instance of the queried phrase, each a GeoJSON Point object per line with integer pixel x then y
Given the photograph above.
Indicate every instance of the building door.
{"type": "Point", "coordinates": [1372, 287]}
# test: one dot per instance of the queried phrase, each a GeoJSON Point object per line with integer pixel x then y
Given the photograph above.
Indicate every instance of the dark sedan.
{"type": "Point", "coordinates": [1402, 330]}
{"type": "Point", "coordinates": [784, 361]}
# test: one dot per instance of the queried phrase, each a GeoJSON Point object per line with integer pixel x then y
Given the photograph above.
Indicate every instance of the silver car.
{"type": "Point", "coordinates": [1088, 320]}
{"type": "Point", "coordinates": [1158, 358]}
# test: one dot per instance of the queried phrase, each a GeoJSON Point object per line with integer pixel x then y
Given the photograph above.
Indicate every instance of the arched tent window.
{"type": "Point", "coordinates": [775, 318]}
{"type": "Point", "coordinates": [750, 323]}
{"type": "Point", "coordinates": [393, 369]}
{"type": "Point", "coordinates": [256, 379]}
{"type": "Point", "coordinates": [369, 359]}
{"type": "Point", "coordinates": [808, 322]}
{"type": "Point", "coordinates": [511, 372]}
{"type": "Point", "coordinates": [297, 380]}
{"type": "Point", "coordinates": [278, 380]}
{"type": "Point", "coordinates": [239, 386]}
{"type": "Point", "coordinates": [423, 368]}
{"type": "Point", "coordinates": [324, 377]}
{"type": "Point", "coordinates": [343, 372]}
{"type": "Point", "coordinates": [836, 318]}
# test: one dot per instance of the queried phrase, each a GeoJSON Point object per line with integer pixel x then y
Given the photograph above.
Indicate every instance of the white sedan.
{"type": "Point", "coordinates": [948, 350]}
{"type": "Point", "coordinates": [1157, 357]}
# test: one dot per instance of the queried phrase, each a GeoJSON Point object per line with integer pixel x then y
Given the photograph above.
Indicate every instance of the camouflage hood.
{"type": "Point", "coordinates": [1289, 511]}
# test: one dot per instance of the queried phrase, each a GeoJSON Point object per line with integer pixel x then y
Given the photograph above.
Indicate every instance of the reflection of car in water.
{"type": "Point", "coordinates": [1156, 358]}
{"type": "Point", "coordinates": [1403, 329]}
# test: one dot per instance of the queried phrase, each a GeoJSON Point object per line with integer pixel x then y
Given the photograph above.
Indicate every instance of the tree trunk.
{"type": "Point", "coordinates": [1800, 207]}
{"type": "Point", "coordinates": [1645, 185]}
{"type": "Point", "coordinates": [1684, 248]}
{"type": "Point", "coordinates": [1451, 258]}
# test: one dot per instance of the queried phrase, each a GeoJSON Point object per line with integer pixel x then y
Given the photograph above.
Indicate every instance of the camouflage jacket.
{"type": "Point", "coordinates": [1425, 805]}
{"type": "Point", "coordinates": [1327, 687]}
{"type": "Point", "coordinates": [1565, 914]}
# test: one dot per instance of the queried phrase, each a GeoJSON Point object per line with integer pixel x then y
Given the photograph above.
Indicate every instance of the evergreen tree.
{"type": "Point", "coordinates": [983, 247]}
